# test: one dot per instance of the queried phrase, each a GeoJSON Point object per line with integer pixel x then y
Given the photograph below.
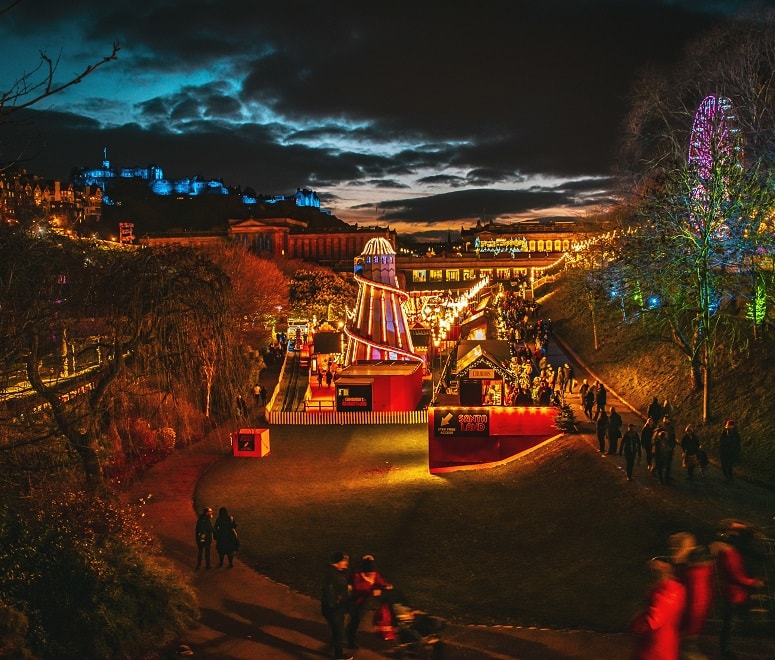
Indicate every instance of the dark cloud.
{"type": "Point", "coordinates": [373, 98]}
{"type": "Point", "coordinates": [466, 204]}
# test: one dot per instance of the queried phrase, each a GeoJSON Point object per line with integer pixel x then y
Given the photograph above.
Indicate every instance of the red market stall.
{"type": "Point", "coordinates": [379, 386]}
{"type": "Point", "coordinates": [484, 436]}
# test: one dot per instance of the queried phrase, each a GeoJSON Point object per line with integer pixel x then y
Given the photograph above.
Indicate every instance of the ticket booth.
{"type": "Point", "coordinates": [251, 443]}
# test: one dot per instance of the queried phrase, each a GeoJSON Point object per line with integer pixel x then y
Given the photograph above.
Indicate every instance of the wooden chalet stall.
{"type": "Point", "coordinates": [483, 371]}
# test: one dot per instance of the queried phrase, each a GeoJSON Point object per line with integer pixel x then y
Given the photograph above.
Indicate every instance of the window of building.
{"type": "Point", "coordinates": [453, 275]}
{"type": "Point", "coordinates": [436, 275]}
{"type": "Point", "coordinates": [541, 245]}
{"type": "Point", "coordinates": [469, 274]}
{"type": "Point", "coordinates": [566, 245]}
{"type": "Point", "coordinates": [503, 273]}
{"type": "Point", "coordinates": [557, 245]}
{"type": "Point", "coordinates": [419, 276]}
{"type": "Point", "coordinates": [531, 246]}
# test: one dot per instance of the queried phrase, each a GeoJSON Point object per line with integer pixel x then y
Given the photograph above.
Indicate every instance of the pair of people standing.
{"type": "Point", "coordinates": [223, 531]}
{"type": "Point", "coordinates": [344, 598]}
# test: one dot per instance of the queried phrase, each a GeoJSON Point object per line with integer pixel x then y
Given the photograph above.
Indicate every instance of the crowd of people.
{"type": "Point", "coordinates": [680, 601]}
{"type": "Point", "coordinates": [657, 440]}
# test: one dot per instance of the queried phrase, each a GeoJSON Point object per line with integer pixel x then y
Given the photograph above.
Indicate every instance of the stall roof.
{"type": "Point", "coordinates": [368, 369]}
{"type": "Point", "coordinates": [497, 351]}
{"type": "Point", "coordinates": [478, 317]}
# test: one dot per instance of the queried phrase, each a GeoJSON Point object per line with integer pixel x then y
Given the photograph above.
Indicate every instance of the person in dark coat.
{"type": "Point", "coordinates": [601, 394]}
{"type": "Point", "coordinates": [589, 403]}
{"type": "Point", "coordinates": [729, 449]}
{"type": "Point", "coordinates": [614, 431]}
{"type": "Point", "coordinates": [226, 540]}
{"type": "Point", "coordinates": [204, 537]}
{"type": "Point", "coordinates": [646, 437]}
{"type": "Point", "coordinates": [335, 601]}
{"type": "Point", "coordinates": [602, 429]}
{"type": "Point", "coordinates": [669, 446]}
{"type": "Point", "coordinates": [690, 445]}
{"type": "Point", "coordinates": [631, 447]}
{"type": "Point", "coordinates": [654, 410]}
{"type": "Point", "coordinates": [659, 451]}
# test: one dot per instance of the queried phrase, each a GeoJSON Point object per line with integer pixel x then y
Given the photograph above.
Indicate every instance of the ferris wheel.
{"type": "Point", "coordinates": [716, 135]}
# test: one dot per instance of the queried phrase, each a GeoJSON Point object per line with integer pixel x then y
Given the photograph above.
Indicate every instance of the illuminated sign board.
{"type": "Point", "coordinates": [482, 374]}
{"type": "Point", "coordinates": [459, 422]}
{"type": "Point", "coordinates": [511, 244]}
{"type": "Point", "coordinates": [353, 398]}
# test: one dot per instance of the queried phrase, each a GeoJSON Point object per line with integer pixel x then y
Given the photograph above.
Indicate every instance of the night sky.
{"type": "Point", "coordinates": [425, 112]}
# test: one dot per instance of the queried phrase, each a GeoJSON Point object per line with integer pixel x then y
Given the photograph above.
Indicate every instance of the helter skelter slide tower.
{"type": "Point", "coordinates": [378, 329]}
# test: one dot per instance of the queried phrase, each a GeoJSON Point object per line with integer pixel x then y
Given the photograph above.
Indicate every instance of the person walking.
{"type": "Point", "coordinates": [736, 584]}
{"type": "Point", "coordinates": [335, 601]}
{"type": "Point", "coordinates": [631, 447]}
{"type": "Point", "coordinates": [694, 567]}
{"type": "Point", "coordinates": [226, 539]}
{"type": "Point", "coordinates": [589, 403]}
{"type": "Point", "coordinates": [669, 445]}
{"type": "Point", "coordinates": [646, 441]}
{"type": "Point", "coordinates": [657, 627]}
{"type": "Point", "coordinates": [601, 394]}
{"type": "Point", "coordinates": [654, 410]}
{"type": "Point", "coordinates": [729, 449]}
{"type": "Point", "coordinates": [614, 431]}
{"type": "Point", "coordinates": [659, 451]}
{"type": "Point", "coordinates": [602, 429]}
{"type": "Point", "coordinates": [204, 537]}
{"type": "Point", "coordinates": [690, 446]}
{"type": "Point", "coordinates": [364, 583]}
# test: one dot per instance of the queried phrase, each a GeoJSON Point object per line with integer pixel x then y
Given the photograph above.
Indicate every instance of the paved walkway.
{"type": "Point", "coordinates": [247, 616]}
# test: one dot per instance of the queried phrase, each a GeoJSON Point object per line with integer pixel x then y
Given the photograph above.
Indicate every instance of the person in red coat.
{"type": "Point", "coordinates": [364, 583]}
{"type": "Point", "coordinates": [693, 566]}
{"type": "Point", "coordinates": [736, 584]}
{"type": "Point", "coordinates": [657, 627]}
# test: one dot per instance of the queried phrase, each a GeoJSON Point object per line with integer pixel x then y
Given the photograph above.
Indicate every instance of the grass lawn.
{"type": "Point", "coordinates": [558, 538]}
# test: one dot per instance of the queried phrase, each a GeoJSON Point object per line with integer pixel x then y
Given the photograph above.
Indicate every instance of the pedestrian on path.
{"type": "Point", "coordinates": [657, 627]}
{"type": "Point", "coordinates": [694, 567]}
{"type": "Point", "coordinates": [204, 537]}
{"type": "Point", "coordinates": [366, 582]}
{"type": "Point", "coordinates": [602, 429]}
{"type": "Point", "coordinates": [736, 583]}
{"type": "Point", "coordinates": [589, 403]}
{"type": "Point", "coordinates": [690, 446]}
{"type": "Point", "coordinates": [631, 447]}
{"type": "Point", "coordinates": [729, 449]}
{"type": "Point", "coordinates": [226, 539]}
{"type": "Point", "coordinates": [335, 601]}
{"type": "Point", "coordinates": [614, 431]}
{"type": "Point", "coordinates": [646, 441]}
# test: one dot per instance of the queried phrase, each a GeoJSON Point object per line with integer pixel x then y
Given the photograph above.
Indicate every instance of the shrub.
{"type": "Point", "coordinates": [87, 578]}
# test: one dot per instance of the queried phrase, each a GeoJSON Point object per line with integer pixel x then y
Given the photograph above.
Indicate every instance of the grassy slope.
{"type": "Point", "coordinates": [639, 368]}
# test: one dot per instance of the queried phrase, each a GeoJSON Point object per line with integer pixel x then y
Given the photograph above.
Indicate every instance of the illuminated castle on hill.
{"type": "Point", "coordinates": [378, 329]}
{"type": "Point", "coordinates": [153, 175]}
